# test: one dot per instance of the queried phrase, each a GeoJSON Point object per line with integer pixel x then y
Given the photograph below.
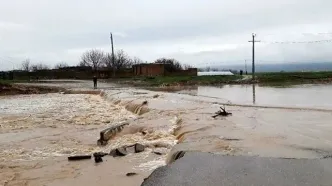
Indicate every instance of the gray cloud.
{"type": "Point", "coordinates": [194, 31]}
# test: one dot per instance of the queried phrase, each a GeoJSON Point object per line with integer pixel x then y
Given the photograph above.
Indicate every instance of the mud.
{"type": "Point", "coordinates": [13, 89]}
{"type": "Point", "coordinates": [38, 132]}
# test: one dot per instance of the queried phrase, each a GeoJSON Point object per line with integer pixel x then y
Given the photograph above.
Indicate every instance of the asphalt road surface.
{"type": "Point", "coordinates": [205, 169]}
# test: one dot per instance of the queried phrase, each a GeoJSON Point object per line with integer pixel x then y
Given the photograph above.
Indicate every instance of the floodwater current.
{"type": "Point", "coordinates": [38, 132]}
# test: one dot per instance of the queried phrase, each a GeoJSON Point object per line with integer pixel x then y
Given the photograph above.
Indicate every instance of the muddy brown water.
{"type": "Point", "coordinates": [310, 96]}
{"type": "Point", "coordinates": [38, 132]}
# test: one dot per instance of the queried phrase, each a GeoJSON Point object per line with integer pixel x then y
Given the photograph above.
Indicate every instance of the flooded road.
{"type": "Point", "coordinates": [308, 96]}
{"type": "Point", "coordinates": [38, 132]}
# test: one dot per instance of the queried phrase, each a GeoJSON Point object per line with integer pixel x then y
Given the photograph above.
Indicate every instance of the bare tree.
{"type": "Point", "coordinates": [26, 65]}
{"type": "Point", "coordinates": [136, 61]}
{"type": "Point", "coordinates": [186, 66]}
{"type": "Point", "coordinates": [92, 58]}
{"type": "Point", "coordinates": [39, 66]}
{"type": "Point", "coordinates": [171, 64]}
{"type": "Point", "coordinates": [122, 60]}
{"type": "Point", "coordinates": [107, 61]}
{"type": "Point", "coordinates": [61, 65]}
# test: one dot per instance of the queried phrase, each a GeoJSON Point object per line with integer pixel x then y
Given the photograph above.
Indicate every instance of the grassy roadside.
{"type": "Point", "coordinates": [293, 78]}
{"type": "Point", "coordinates": [268, 79]}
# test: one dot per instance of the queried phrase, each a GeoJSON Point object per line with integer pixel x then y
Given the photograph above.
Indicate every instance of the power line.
{"type": "Point", "coordinates": [298, 42]}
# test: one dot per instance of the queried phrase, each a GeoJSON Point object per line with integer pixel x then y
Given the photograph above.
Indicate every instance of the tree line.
{"type": "Point", "coordinates": [97, 59]}
{"type": "Point", "coordinates": [30, 67]}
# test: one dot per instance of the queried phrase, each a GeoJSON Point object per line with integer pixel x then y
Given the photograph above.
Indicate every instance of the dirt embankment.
{"type": "Point", "coordinates": [12, 89]}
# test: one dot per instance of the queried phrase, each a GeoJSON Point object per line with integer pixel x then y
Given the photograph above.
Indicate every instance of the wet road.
{"type": "Point", "coordinates": [197, 169]}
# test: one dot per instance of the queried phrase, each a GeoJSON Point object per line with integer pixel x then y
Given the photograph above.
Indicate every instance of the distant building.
{"type": "Point", "coordinates": [149, 69]}
{"type": "Point", "coordinates": [157, 69]}
{"type": "Point", "coordinates": [215, 73]}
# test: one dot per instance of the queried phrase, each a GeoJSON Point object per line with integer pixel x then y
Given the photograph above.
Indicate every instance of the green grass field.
{"type": "Point", "coordinates": [273, 79]}
{"type": "Point", "coordinates": [268, 79]}
{"type": "Point", "coordinates": [286, 78]}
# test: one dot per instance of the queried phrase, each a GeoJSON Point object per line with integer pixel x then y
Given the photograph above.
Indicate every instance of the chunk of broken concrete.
{"type": "Point", "coordinates": [101, 154]}
{"type": "Point", "coordinates": [98, 156]}
{"type": "Point", "coordinates": [144, 102]}
{"type": "Point", "coordinates": [139, 148]}
{"type": "Point", "coordinates": [80, 157]}
{"type": "Point", "coordinates": [131, 174]}
{"type": "Point", "coordinates": [155, 96]}
{"type": "Point", "coordinates": [124, 150]}
{"type": "Point", "coordinates": [121, 151]}
{"type": "Point", "coordinates": [110, 132]}
{"type": "Point", "coordinates": [158, 153]}
{"type": "Point", "coordinates": [98, 159]}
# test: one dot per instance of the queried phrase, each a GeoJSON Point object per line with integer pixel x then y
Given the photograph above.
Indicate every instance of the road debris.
{"type": "Point", "coordinates": [145, 103]}
{"type": "Point", "coordinates": [79, 157]}
{"type": "Point", "coordinates": [98, 156]}
{"type": "Point", "coordinates": [156, 96]}
{"type": "Point", "coordinates": [119, 152]}
{"type": "Point", "coordinates": [131, 174]}
{"type": "Point", "coordinates": [139, 148]}
{"type": "Point", "coordinates": [158, 153]}
{"type": "Point", "coordinates": [124, 150]}
{"type": "Point", "coordinates": [222, 112]}
{"type": "Point", "coordinates": [107, 134]}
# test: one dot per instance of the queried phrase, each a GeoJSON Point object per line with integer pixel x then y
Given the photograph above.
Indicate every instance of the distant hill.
{"type": "Point", "coordinates": [286, 67]}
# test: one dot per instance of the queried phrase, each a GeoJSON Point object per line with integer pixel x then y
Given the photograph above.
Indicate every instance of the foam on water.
{"type": "Point", "coordinates": [73, 122]}
{"type": "Point", "coordinates": [151, 165]}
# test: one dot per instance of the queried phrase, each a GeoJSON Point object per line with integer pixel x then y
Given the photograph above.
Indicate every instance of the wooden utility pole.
{"type": "Point", "coordinates": [253, 55]}
{"type": "Point", "coordinates": [113, 62]}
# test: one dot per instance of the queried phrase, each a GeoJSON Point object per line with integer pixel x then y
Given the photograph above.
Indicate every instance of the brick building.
{"type": "Point", "coordinates": [149, 69]}
{"type": "Point", "coordinates": [157, 69]}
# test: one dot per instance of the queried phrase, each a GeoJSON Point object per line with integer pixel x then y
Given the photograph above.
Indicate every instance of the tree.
{"type": "Point", "coordinates": [186, 66]}
{"type": "Point", "coordinates": [92, 58]}
{"type": "Point", "coordinates": [26, 65]}
{"type": "Point", "coordinates": [122, 60]}
{"type": "Point", "coordinates": [61, 65]}
{"type": "Point", "coordinates": [136, 61]}
{"type": "Point", "coordinates": [107, 61]}
{"type": "Point", "coordinates": [39, 66]}
{"type": "Point", "coordinates": [170, 64]}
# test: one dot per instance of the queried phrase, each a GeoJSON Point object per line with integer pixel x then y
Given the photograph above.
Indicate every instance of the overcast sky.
{"type": "Point", "coordinates": [196, 32]}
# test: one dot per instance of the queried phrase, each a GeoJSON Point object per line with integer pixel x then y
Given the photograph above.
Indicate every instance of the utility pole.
{"type": "Point", "coordinates": [245, 62]}
{"type": "Point", "coordinates": [113, 62]}
{"type": "Point", "coordinates": [253, 55]}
